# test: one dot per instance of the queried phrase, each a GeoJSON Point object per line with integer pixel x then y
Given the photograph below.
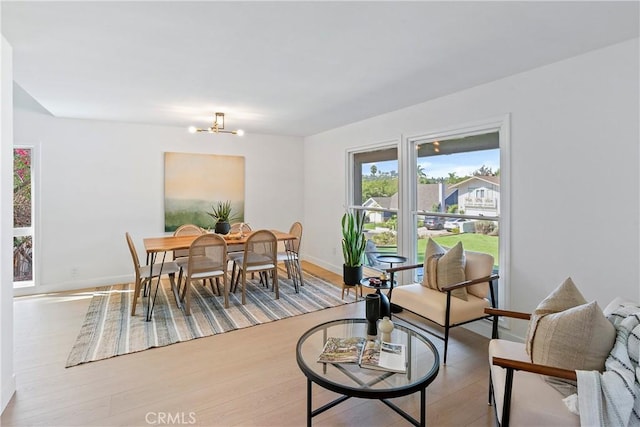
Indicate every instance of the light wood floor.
{"type": "Point", "coordinates": [247, 377]}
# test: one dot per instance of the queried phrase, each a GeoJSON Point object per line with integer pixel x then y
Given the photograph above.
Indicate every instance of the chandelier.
{"type": "Point", "coordinates": [217, 127]}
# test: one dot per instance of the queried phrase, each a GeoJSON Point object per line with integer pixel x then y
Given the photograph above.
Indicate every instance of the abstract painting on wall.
{"type": "Point", "coordinates": [195, 182]}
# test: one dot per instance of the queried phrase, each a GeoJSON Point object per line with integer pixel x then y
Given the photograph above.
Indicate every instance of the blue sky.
{"type": "Point", "coordinates": [440, 166]}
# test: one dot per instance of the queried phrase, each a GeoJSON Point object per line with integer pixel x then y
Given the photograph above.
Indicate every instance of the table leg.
{"type": "Point", "coordinates": [152, 296]}
{"type": "Point", "coordinates": [394, 308]}
{"type": "Point", "coordinates": [308, 402]}
{"type": "Point", "coordinates": [423, 406]}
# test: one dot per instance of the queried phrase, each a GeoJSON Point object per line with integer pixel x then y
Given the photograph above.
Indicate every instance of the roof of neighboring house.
{"type": "Point", "coordinates": [379, 202]}
{"type": "Point", "coordinates": [495, 180]}
{"type": "Point", "coordinates": [428, 196]}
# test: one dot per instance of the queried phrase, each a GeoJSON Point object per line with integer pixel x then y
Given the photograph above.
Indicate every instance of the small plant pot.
{"type": "Point", "coordinates": [222, 227]}
{"type": "Point", "coordinates": [351, 275]}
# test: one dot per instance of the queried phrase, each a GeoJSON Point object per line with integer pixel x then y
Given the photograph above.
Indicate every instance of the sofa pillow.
{"type": "Point", "coordinates": [444, 267]}
{"type": "Point", "coordinates": [568, 333]}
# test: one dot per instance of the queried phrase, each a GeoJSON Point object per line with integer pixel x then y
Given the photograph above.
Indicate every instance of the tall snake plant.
{"type": "Point", "coordinates": [353, 240]}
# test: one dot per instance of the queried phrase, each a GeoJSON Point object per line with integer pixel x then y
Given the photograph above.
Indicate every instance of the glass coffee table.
{"type": "Point", "coordinates": [350, 380]}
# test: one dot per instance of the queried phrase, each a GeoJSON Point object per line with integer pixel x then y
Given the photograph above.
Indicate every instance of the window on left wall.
{"type": "Point", "coordinates": [23, 229]}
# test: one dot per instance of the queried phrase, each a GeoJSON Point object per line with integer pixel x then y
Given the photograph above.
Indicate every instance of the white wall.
{"type": "Point", "coordinates": [7, 377]}
{"type": "Point", "coordinates": [100, 179]}
{"type": "Point", "coordinates": [574, 154]}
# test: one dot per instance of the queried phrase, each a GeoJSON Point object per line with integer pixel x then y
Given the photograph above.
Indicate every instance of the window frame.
{"type": "Point", "coordinates": [407, 187]}
{"type": "Point", "coordinates": [501, 125]}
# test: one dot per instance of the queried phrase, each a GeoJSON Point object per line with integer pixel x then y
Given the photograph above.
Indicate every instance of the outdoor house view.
{"type": "Point", "coordinates": [457, 195]}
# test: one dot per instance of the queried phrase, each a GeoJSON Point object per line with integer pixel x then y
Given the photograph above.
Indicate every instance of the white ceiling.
{"type": "Point", "coordinates": [290, 68]}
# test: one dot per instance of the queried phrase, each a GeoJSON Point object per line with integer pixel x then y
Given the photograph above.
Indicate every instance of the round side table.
{"type": "Point", "coordinates": [392, 259]}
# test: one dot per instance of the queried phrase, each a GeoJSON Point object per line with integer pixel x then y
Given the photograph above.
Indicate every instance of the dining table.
{"type": "Point", "coordinates": [164, 244]}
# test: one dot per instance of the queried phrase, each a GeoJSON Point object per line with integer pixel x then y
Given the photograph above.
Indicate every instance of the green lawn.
{"type": "Point", "coordinates": [470, 241]}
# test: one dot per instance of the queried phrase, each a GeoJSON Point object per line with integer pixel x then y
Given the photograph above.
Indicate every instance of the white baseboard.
{"type": "Point", "coordinates": [324, 264]}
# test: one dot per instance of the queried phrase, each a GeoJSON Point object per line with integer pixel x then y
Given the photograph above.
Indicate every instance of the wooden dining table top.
{"type": "Point", "coordinates": [172, 243]}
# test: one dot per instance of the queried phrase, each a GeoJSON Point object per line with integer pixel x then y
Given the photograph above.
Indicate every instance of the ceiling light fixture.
{"type": "Point", "coordinates": [217, 127]}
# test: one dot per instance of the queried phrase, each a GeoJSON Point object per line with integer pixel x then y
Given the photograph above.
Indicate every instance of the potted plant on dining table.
{"type": "Point", "coordinates": [221, 212]}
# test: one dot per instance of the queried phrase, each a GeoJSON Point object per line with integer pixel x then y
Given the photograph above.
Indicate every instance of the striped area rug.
{"type": "Point", "coordinates": [109, 330]}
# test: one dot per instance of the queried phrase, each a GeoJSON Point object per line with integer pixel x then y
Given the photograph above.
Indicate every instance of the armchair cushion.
{"type": "Point", "coordinates": [444, 267]}
{"type": "Point", "coordinates": [432, 304]}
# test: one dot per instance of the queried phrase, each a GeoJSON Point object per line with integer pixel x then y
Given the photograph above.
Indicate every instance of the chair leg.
{"type": "Point", "coordinates": [490, 388]}
{"type": "Point", "coordinates": [226, 290]}
{"type": "Point", "coordinates": [180, 280]}
{"type": "Point", "coordinates": [275, 282]}
{"type": "Point", "coordinates": [136, 295]}
{"type": "Point", "coordinates": [299, 267]}
{"type": "Point", "coordinates": [244, 285]}
{"type": "Point", "coordinates": [446, 343]}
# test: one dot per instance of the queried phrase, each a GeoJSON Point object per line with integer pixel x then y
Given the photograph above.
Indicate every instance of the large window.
{"type": "Point", "coordinates": [375, 191]}
{"type": "Point", "coordinates": [457, 192]}
{"type": "Point", "coordinates": [23, 230]}
{"type": "Point", "coordinates": [448, 185]}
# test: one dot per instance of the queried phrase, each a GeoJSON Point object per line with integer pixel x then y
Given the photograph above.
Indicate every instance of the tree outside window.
{"type": "Point", "coordinates": [22, 215]}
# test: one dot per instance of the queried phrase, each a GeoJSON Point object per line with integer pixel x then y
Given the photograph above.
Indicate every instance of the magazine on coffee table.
{"type": "Point", "coordinates": [384, 356]}
{"type": "Point", "coordinates": [342, 350]}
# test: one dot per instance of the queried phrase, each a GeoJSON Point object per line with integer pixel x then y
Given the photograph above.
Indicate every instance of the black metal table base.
{"type": "Point", "coordinates": [421, 423]}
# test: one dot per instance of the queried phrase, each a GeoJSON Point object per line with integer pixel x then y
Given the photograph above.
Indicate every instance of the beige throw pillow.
{"type": "Point", "coordinates": [567, 332]}
{"type": "Point", "coordinates": [565, 296]}
{"type": "Point", "coordinates": [444, 267]}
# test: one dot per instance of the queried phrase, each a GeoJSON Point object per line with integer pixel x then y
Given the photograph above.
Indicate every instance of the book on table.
{"type": "Point", "coordinates": [369, 354]}
{"type": "Point", "coordinates": [384, 356]}
{"type": "Point", "coordinates": [342, 350]}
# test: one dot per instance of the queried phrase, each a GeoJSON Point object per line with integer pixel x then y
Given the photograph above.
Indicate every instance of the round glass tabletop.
{"type": "Point", "coordinates": [423, 362]}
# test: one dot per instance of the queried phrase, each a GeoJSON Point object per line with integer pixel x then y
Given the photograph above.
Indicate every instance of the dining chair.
{"type": "Point", "coordinates": [144, 273]}
{"type": "Point", "coordinates": [259, 256]}
{"type": "Point", "coordinates": [291, 255]}
{"type": "Point", "coordinates": [238, 227]}
{"type": "Point", "coordinates": [181, 256]}
{"type": "Point", "coordinates": [186, 230]}
{"type": "Point", "coordinates": [207, 260]}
